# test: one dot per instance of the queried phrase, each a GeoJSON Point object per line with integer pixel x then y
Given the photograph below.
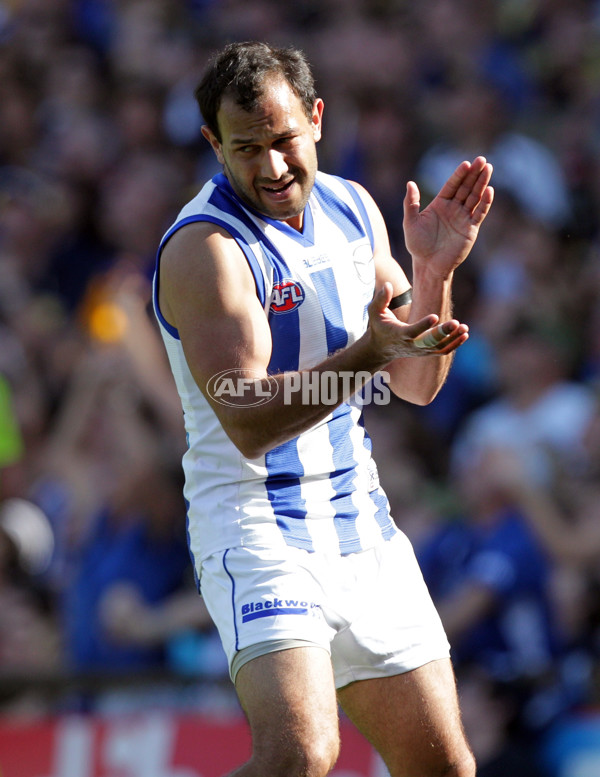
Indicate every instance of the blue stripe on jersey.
{"type": "Point", "coordinates": [283, 491]}
{"type": "Point", "coordinates": [285, 495]}
{"type": "Point", "coordinates": [361, 209]}
{"type": "Point", "coordinates": [379, 499]}
{"type": "Point", "coordinates": [382, 516]}
{"type": "Point", "coordinates": [285, 335]}
{"type": "Point", "coordinates": [339, 212]}
{"type": "Point", "coordinates": [343, 479]}
{"type": "Point", "coordinates": [335, 330]}
{"type": "Point", "coordinates": [285, 327]}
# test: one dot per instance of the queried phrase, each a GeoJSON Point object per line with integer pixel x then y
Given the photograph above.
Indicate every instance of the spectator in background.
{"type": "Point", "coordinates": [134, 550]}
{"type": "Point", "coordinates": [540, 412]}
{"type": "Point", "coordinates": [490, 578]}
{"type": "Point", "coordinates": [564, 516]}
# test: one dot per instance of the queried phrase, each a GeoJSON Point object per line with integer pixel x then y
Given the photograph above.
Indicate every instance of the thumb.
{"type": "Point", "coordinates": [412, 201]}
{"type": "Point", "coordinates": [382, 298]}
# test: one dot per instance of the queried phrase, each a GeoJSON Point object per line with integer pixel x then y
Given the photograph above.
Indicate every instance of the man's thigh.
{"type": "Point", "coordinates": [413, 720]}
{"type": "Point", "coordinates": [290, 701]}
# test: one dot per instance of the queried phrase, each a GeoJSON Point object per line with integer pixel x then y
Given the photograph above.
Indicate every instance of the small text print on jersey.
{"type": "Point", "coordinates": [286, 296]}
{"type": "Point", "coordinates": [237, 387]}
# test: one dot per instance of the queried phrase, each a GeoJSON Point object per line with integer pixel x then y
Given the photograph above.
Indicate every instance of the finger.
{"type": "Point", "coordinates": [382, 298]}
{"type": "Point", "coordinates": [418, 328]}
{"type": "Point", "coordinates": [448, 344]}
{"type": "Point", "coordinates": [473, 185]}
{"type": "Point", "coordinates": [466, 171]}
{"type": "Point", "coordinates": [455, 342]}
{"type": "Point", "coordinates": [441, 336]}
{"type": "Point", "coordinates": [412, 201]}
{"type": "Point", "coordinates": [483, 206]}
{"type": "Point", "coordinates": [478, 188]}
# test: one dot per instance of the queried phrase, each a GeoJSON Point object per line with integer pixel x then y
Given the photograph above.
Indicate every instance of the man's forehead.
{"type": "Point", "coordinates": [277, 103]}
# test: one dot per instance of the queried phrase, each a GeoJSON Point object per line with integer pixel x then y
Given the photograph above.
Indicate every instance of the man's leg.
{"type": "Point", "coordinates": [413, 721]}
{"type": "Point", "coordinates": [290, 701]}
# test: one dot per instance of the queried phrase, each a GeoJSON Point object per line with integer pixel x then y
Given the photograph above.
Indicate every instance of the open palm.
{"type": "Point", "coordinates": [443, 233]}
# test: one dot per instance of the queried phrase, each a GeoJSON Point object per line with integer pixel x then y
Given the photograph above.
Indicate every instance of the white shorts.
{"type": "Point", "coordinates": [370, 610]}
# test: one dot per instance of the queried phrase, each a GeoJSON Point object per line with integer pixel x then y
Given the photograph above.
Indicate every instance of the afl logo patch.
{"type": "Point", "coordinates": [286, 296]}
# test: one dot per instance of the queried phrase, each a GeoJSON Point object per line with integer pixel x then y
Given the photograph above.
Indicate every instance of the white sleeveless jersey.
{"type": "Point", "coordinates": [318, 491]}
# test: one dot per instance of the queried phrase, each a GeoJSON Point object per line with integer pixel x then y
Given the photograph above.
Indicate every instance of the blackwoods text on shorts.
{"type": "Point", "coordinates": [246, 388]}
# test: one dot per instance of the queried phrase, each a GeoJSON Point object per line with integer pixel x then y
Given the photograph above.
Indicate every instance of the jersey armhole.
{"type": "Point", "coordinates": [259, 281]}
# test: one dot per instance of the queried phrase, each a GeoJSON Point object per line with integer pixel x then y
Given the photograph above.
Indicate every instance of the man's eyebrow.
{"type": "Point", "coordinates": [251, 141]}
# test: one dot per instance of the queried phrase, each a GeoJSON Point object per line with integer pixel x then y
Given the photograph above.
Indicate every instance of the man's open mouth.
{"type": "Point", "coordinates": [279, 188]}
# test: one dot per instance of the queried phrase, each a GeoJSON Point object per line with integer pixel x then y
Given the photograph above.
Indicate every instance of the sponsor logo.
{"type": "Point", "coordinates": [286, 296]}
{"type": "Point", "coordinates": [270, 607]}
{"type": "Point", "coordinates": [241, 387]}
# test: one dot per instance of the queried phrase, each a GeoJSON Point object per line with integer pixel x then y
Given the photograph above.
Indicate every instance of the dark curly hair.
{"type": "Point", "coordinates": [239, 71]}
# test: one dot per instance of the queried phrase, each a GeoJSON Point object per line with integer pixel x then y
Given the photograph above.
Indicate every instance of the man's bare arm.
{"type": "Point", "coordinates": [207, 291]}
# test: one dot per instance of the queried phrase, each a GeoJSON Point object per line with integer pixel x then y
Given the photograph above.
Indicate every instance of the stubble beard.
{"type": "Point", "coordinates": [250, 197]}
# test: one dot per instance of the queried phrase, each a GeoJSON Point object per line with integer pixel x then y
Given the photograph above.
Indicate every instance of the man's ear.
{"type": "Point", "coordinates": [317, 118]}
{"type": "Point", "coordinates": [214, 142]}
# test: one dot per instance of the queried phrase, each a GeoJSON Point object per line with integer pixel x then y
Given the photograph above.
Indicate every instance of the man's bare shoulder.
{"type": "Point", "coordinates": [200, 263]}
{"type": "Point", "coordinates": [196, 238]}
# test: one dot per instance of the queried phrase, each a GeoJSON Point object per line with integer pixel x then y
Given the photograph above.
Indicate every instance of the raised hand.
{"type": "Point", "coordinates": [443, 233]}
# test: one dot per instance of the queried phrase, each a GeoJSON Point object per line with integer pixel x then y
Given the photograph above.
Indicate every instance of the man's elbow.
{"type": "Point", "coordinates": [419, 396]}
{"type": "Point", "coordinates": [248, 447]}
{"type": "Point", "coordinates": [251, 450]}
{"type": "Point", "coordinates": [426, 398]}
{"type": "Point", "coordinates": [251, 443]}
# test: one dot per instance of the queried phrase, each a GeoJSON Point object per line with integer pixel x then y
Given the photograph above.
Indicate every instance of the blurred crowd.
{"type": "Point", "coordinates": [497, 482]}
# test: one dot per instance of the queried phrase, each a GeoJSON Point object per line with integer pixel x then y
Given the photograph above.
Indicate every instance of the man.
{"type": "Point", "coordinates": [267, 279]}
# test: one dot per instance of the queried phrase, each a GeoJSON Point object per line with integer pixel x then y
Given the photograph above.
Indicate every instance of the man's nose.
{"type": "Point", "coordinates": [274, 165]}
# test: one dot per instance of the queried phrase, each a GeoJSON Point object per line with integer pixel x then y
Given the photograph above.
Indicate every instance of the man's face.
{"type": "Point", "coordinates": [269, 155]}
